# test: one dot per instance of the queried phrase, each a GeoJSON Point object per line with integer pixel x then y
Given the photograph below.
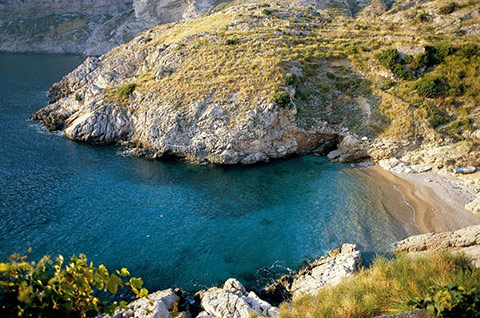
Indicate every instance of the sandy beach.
{"type": "Point", "coordinates": [435, 203]}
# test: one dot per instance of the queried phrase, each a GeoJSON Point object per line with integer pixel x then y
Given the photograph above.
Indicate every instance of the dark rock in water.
{"type": "Point", "coordinates": [266, 222]}
{"type": "Point", "coordinates": [465, 170]}
{"type": "Point", "coordinates": [277, 292]}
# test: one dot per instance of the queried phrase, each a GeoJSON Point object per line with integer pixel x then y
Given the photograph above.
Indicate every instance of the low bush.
{"type": "Point", "coordinates": [449, 301]}
{"type": "Point", "coordinates": [388, 58]}
{"type": "Point", "coordinates": [448, 8]}
{"type": "Point", "coordinates": [401, 72]}
{"type": "Point", "coordinates": [290, 79]}
{"type": "Point", "coordinates": [426, 87]}
{"type": "Point", "coordinates": [281, 97]}
{"type": "Point", "coordinates": [60, 289]}
{"type": "Point", "coordinates": [126, 90]}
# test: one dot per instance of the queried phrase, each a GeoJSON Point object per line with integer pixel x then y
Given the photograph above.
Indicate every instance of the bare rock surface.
{"type": "Point", "coordinates": [233, 301]}
{"type": "Point", "coordinates": [85, 26]}
{"type": "Point", "coordinates": [327, 270]}
{"type": "Point", "coordinates": [465, 240]}
{"type": "Point", "coordinates": [158, 305]}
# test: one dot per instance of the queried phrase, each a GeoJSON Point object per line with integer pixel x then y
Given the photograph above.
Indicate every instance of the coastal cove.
{"type": "Point", "coordinates": [173, 223]}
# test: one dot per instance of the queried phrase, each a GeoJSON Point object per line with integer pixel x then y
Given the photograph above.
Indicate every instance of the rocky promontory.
{"type": "Point", "coordinates": [232, 300]}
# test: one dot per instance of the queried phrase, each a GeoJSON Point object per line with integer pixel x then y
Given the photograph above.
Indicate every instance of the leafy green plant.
{"type": "Point", "coordinates": [401, 72]}
{"type": "Point", "coordinates": [57, 288]}
{"type": "Point", "coordinates": [469, 50]}
{"type": "Point", "coordinates": [126, 90]}
{"type": "Point", "coordinates": [290, 79]}
{"type": "Point", "coordinates": [281, 97]}
{"type": "Point", "coordinates": [426, 87]}
{"type": "Point", "coordinates": [449, 301]}
{"type": "Point", "coordinates": [388, 58]}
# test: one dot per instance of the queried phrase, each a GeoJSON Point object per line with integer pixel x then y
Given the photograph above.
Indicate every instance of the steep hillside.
{"type": "Point", "coordinates": [258, 81]}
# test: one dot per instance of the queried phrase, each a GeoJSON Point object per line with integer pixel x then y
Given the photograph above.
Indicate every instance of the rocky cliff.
{"type": "Point", "coordinates": [85, 26]}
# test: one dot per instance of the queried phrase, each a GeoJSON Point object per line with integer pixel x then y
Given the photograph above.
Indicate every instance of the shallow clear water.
{"type": "Point", "coordinates": [172, 223]}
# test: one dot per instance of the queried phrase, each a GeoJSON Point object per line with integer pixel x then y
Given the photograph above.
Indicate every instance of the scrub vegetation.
{"type": "Point", "coordinates": [444, 284]}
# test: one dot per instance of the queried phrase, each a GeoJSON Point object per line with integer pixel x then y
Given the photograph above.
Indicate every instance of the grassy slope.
{"type": "Point", "coordinates": [386, 287]}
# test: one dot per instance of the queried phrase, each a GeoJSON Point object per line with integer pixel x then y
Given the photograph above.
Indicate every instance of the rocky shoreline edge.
{"type": "Point", "coordinates": [232, 300]}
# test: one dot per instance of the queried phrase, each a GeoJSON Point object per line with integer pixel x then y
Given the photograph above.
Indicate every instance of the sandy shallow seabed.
{"type": "Point", "coordinates": [436, 202]}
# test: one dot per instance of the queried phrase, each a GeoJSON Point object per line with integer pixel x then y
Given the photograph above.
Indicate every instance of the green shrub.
{"type": "Point", "coordinates": [388, 58]}
{"type": "Point", "coordinates": [449, 8]}
{"type": "Point", "coordinates": [231, 41]}
{"type": "Point", "coordinates": [59, 289]}
{"type": "Point", "coordinates": [352, 49]}
{"type": "Point", "coordinates": [423, 17]}
{"type": "Point", "coordinates": [401, 72]}
{"type": "Point", "coordinates": [449, 301]}
{"type": "Point", "coordinates": [267, 11]}
{"type": "Point", "coordinates": [290, 79]}
{"type": "Point", "coordinates": [387, 85]}
{"type": "Point", "coordinates": [469, 50]}
{"type": "Point", "coordinates": [407, 59]}
{"type": "Point", "coordinates": [78, 97]}
{"type": "Point", "coordinates": [420, 61]}
{"type": "Point", "coordinates": [281, 97]}
{"type": "Point", "coordinates": [426, 87]}
{"type": "Point", "coordinates": [126, 90]}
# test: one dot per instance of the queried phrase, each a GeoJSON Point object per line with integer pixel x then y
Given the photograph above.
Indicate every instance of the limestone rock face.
{"type": "Point", "coordinates": [349, 150]}
{"type": "Point", "coordinates": [92, 27]}
{"type": "Point", "coordinates": [465, 240]}
{"type": "Point", "coordinates": [233, 301]}
{"type": "Point", "coordinates": [162, 303]}
{"type": "Point", "coordinates": [324, 271]}
{"type": "Point", "coordinates": [328, 270]}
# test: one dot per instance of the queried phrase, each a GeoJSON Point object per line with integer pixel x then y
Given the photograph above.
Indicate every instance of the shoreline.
{"type": "Point", "coordinates": [437, 202]}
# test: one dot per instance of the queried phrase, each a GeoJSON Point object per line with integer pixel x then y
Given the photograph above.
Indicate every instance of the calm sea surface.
{"type": "Point", "coordinates": [172, 223]}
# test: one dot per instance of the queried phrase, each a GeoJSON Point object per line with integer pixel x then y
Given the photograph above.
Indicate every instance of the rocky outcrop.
{"type": "Point", "coordinates": [156, 121]}
{"type": "Point", "coordinates": [327, 270]}
{"type": "Point", "coordinates": [233, 301]}
{"type": "Point", "coordinates": [465, 240]}
{"type": "Point", "coordinates": [350, 149]}
{"type": "Point", "coordinates": [85, 26]}
{"type": "Point", "coordinates": [158, 305]}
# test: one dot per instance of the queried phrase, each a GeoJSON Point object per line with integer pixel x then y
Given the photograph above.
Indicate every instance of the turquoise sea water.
{"type": "Point", "coordinates": [172, 223]}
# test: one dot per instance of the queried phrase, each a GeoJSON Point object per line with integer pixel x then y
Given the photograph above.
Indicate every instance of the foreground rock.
{"type": "Point", "coordinates": [466, 240]}
{"type": "Point", "coordinates": [233, 301]}
{"type": "Point", "coordinates": [158, 305]}
{"type": "Point", "coordinates": [327, 270]}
